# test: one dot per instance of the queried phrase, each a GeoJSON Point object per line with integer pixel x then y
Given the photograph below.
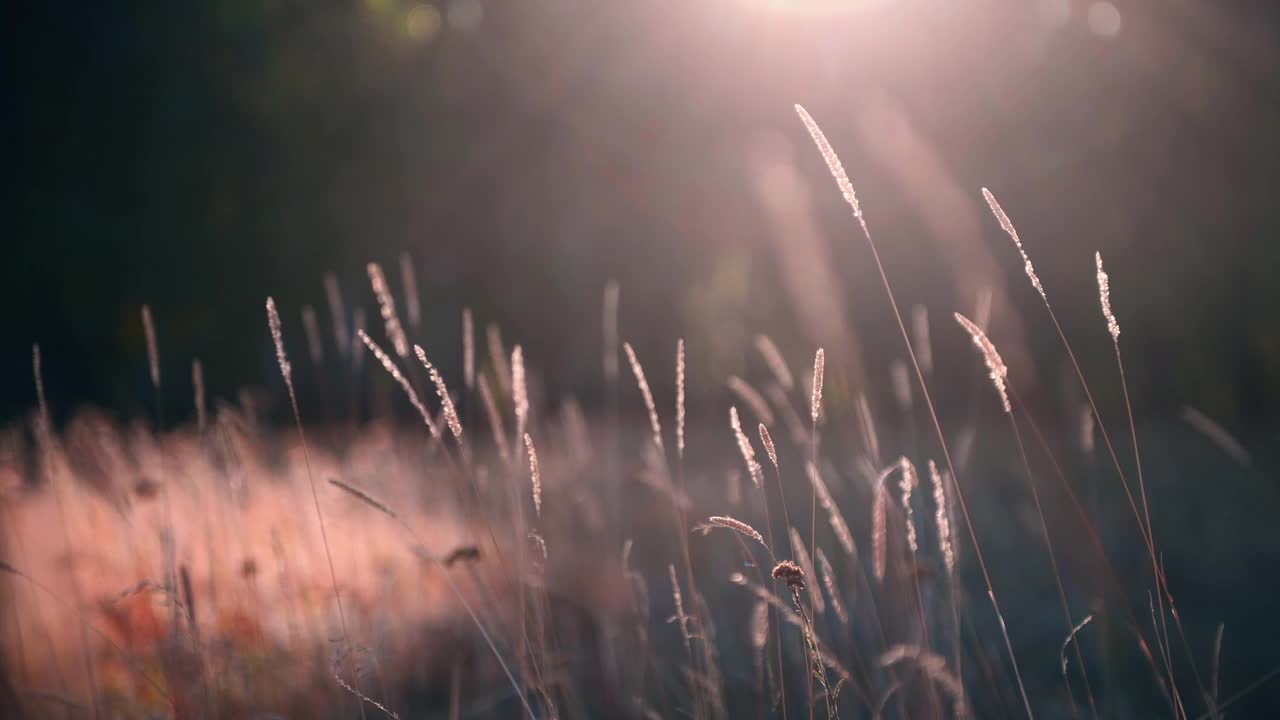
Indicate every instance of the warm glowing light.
{"type": "Point", "coordinates": [1104, 19]}
{"type": "Point", "coordinates": [422, 23]}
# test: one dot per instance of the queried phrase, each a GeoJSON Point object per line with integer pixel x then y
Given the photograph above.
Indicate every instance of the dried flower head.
{"type": "Point", "coordinates": [806, 566]}
{"type": "Point", "coordinates": [790, 573]}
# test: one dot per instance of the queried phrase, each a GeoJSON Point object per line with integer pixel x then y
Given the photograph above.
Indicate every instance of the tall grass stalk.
{"type": "Point", "coordinates": [846, 189]}
{"type": "Point", "coordinates": [286, 371]}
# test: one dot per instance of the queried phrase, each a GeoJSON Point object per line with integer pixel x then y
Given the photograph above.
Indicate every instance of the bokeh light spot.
{"type": "Point", "coordinates": [422, 23]}
{"type": "Point", "coordinates": [1104, 19]}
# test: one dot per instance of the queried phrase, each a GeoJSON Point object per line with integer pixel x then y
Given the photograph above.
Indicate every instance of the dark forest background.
{"type": "Point", "coordinates": [200, 156]}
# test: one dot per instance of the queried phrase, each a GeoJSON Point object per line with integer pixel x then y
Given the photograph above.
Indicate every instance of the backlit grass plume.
{"type": "Point", "coordinates": [995, 366]}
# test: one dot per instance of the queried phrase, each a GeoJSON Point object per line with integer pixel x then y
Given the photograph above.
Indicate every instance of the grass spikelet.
{"type": "Point", "coordinates": [1104, 296]}
{"type": "Point", "coordinates": [1007, 225]}
{"type": "Point", "coordinates": [286, 371]}
{"type": "Point", "coordinates": [744, 447]}
{"type": "Point", "coordinates": [828, 575]}
{"type": "Point", "coordinates": [879, 550]}
{"type": "Point", "coordinates": [924, 346]}
{"type": "Point", "coordinates": [535, 477]}
{"type": "Point", "coordinates": [645, 393]}
{"type": "Point", "coordinates": [867, 425]}
{"type": "Point", "coordinates": [751, 399]}
{"type": "Point", "coordinates": [789, 614]}
{"type": "Point", "coordinates": [42, 404]}
{"type": "Point", "coordinates": [610, 320]}
{"type": "Point", "coordinates": [197, 390]}
{"type": "Point", "coordinates": [495, 418]}
{"type": "Point", "coordinates": [311, 328]}
{"type": "Point", "coordinates": [739, 526]}
{"type": "Point", "coordinates": [681, 617]}
{"type": "Point", "coordinates": [362, 697]}
{"type": "Point", "coordinates": [446, 402]}
{"type": "Point", "coordinates": [363, 497]}
{"type": "Point", "coordinates": [1217, 435]}
{"type": "Point", "coordinates": [387, 308]}
{"type": "Point", "coordinates": [833, 163]}
{"type": "Point", "coordinates": [277, 338]}
{"type": "Point", "coordinates": [1062, 653]}
{"type": "Point", "coordinates": [835, 517]}
{"type": "Point", "coordinates": [777, 365]}
{"type": "Point", "coordinates": [767, 440]}
{"type": "Point", "coordinates": [1088, 429]}
{"type": "Point", "coordinates": [389, 365]}
{"type": "Point", "coordinates": [357, 324]}
{"type": "Point", "coordinates": [934, 667]}
{"type": "Point", "coordinates": [795, 425]}
{"type": "Point", "coordinates": [409, 279]}
{"type": "Point", "coordinates": [468, 350]}
{"type": "Point", "coordinates": [498, 357]}
{"type": "Point", "coordinates": [996, 366]}
{"type": "Point", "coordinates": [942, 518]}
{"type": "Point", "coordinates": [680, 398]}
{"type": "Point", "coordinates": [759, 625]}
{"type": "Point", "coordinates": [153, 355]}
{"type": "Point", "coordinates": [907, 483]}
{"type": "Point", "coordinates": [519, 390]}
{"type": "Point", "coordinates": [901, 379]}
{"type": "Point", "coordinates": [337, 313]}
{"type": "Point", "coordinates": [806, 564]}
{"type": "Point", "coordinates": [819, 358]}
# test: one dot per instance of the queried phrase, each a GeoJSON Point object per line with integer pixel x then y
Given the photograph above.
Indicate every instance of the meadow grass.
{"type": "Point", "coordinates": [232, 568]}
